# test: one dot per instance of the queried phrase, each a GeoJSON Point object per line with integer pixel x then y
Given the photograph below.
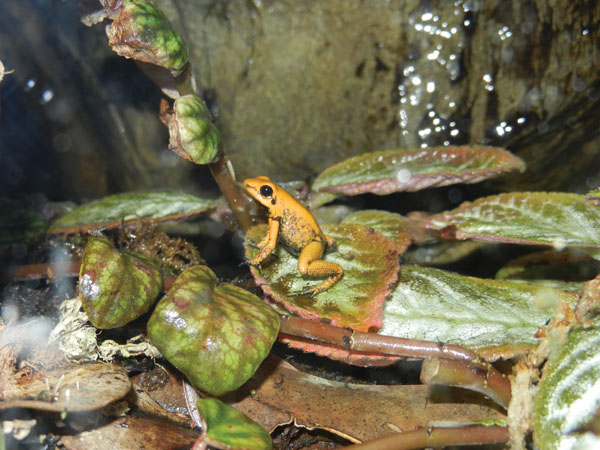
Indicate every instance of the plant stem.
{"type": "Point", "coordinates": [373, 342]}
{"type": "Point", "coordinates": [222, 171]}
{"type": "Point", "coordinates": [437, 437]}
{"type": "Point", "coordinates": [184, 82]}
{"type": "Point", "coordinates": [489, 382]}
{"type": "Point", "coordinates": [40, 271]}
{"type": "Point", "coordinates": [237, 201]}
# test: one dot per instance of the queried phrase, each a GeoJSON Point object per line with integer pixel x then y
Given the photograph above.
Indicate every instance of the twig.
{"type": "Point", "coordinates": [489, 382]}
{"type": "Point", "coordinates": [40, 271]}
{"type": "Point", "coordinates": [437, 437]}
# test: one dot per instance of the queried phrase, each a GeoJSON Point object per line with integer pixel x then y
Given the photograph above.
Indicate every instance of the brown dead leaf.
{"type": "Point", "coordinates": [160, 393]}
{"type": "Point", "coordinates": [133, 433]}
{"type": "Point", "coordinates": [76, 388]}
{"type": "Point", "coordinates": [278, 394]}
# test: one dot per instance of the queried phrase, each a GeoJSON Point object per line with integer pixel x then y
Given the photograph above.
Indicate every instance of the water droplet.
{"type": "Point", "coordinates": [433, 55]}
{"type": "Point", "coordinates": [47, 96]}
{"type": "Point", "coordinates": [403, 175]}
{"type": "Point", "coordinates": [559, 244]}
{"type": "Point", "coordinates": [89, 290]}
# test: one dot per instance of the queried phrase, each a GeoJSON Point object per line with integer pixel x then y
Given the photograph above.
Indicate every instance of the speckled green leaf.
{"type": "Point", "coordinates": [141, 31]}
{"type": "Point", "coordinates": [130, 207]}
{"type": "Point", "coordinates": [393, 226]}
{"type": "Point", "coordinates": [496, 318]}
{"type": "Point", "coordinates": [415, 169]}
{"type": "Point", "coordinates": [439, 253]}
{"type": "Point", "coordinates": [115, 286]}
{"type": "Point", "coordinates": [217, 335]}
{"type": "Point", "coordinates": [192, 134]}
{"type": "Point", "coordinates": [370, 264]}
{"type": "Point", "coordinates": [20, 226]}
{"type": "Point", "coordinates": [547, 218]}
{"type": "Point", "coordinates": [569, 394]}
{"type": "Point", "coordinates": [226, 427]}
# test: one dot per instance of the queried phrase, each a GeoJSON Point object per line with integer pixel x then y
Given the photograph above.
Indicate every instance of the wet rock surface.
{"type": "Point", "coordinates": [305, 84]}
{"type": "Point", "coordinates": [297, 86]}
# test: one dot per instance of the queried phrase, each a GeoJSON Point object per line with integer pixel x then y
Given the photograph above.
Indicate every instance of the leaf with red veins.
{"type": "Point", "coordinates": [391, 225]}
{"type": "Point", "coordinates": [391, 171]}
{"type": "Point", "coordinates": [370, 263]}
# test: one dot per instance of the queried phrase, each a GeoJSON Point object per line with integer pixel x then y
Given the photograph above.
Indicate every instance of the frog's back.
{"type": "Point", "coordinates": [298, 228]}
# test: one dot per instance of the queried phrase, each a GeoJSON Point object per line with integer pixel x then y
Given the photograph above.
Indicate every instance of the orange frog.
{"type": "Point", "coordinates": [298, 230]}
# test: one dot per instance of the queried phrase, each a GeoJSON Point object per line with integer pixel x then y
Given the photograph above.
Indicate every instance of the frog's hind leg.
{"type": "Point", "coordinates": [310, 263]}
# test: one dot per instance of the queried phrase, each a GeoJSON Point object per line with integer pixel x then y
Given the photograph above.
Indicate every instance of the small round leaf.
{"type": "Point", "coordinates": [216, 335]}
{"type": "Point", "coordinates": [115, 286]}
{"type": "Point", "coordinates": [141, 31]}
{"type": "Point", "coordinates": [192, 135]}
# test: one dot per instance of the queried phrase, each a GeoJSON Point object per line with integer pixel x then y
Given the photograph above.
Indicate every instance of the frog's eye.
{"type": "Point", "coordinates": [266, 191]}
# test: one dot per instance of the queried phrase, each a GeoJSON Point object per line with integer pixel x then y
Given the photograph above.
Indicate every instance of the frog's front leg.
{"type": "Point", "coordinates": [310, 263]}
{"type": "Point", "coordinates": [268, 243]}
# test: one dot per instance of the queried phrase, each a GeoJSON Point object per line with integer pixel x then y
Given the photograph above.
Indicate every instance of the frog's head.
{"type": "Point", "coordinates": [262, 189]}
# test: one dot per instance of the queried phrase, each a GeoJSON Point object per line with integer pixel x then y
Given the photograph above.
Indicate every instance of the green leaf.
{"type": "Point", "coordinates": [439, 253]}
{"type": "Point", "coordinates": [593, 197]}
{"type": "Point", "coordinates": [192, 134]}
{"type": "Point", "coordinates": [141, 31]}
{"type": "Point", "coordinates": [370, 264]}
{"type": "Point", "coordinates": [393, 226]}
{"type": "Point", "coordinates": [230, 428]}
{"type": "Point", "coordinates": [562, 270]}
{"type": "Point", "coordinates": [569, 394]}
{"type": "Point", "coordinates": [115, 286]}
{"type": "Point", "coordinates": [20, 226]}
{"type": "Point", "coordinates": [415, 169]}
{"type": "Point", "coordinates": [130, 207]}
{"type": "Point", "coordinates": [216, 335]}
{"type": "Point", "coordinates": [485, 315]}
{"type": "Point", "coordinates": [546, 218]}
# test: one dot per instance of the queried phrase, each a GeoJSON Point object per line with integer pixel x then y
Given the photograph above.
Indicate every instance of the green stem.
{"type": "Point", "coordinates": [184, 82]}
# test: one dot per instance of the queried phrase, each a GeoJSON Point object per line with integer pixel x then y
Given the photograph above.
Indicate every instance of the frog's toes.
{"type": "Point", "coordinates": [252, 244]}
{"type": "Point", "coordinates": [311, 292]}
